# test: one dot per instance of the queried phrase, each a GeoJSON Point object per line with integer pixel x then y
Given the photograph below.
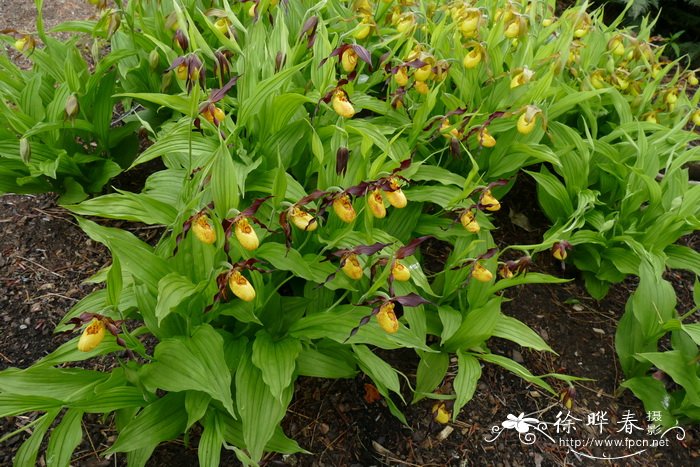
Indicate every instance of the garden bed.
{"type": "Point", "coordinates": [45, 258]}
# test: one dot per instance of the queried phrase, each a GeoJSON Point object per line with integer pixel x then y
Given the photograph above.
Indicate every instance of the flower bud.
{"type": "Point", "coordinates": [692, 79]}
{"type": "Point", "coordinates": [489, 202]}
{"type": "Point", "coordinates": [376, 204]}
{"type": "Point", "coordinates": [153, 59]}
{"type": "Point", "coordinates": [348, 60]}
{"type": "Point", "coordinates": [181, 39]}
{"type": "Point", "coordinates": [93, 334]}
{"type": "Point", "coordinates": [401, 76]}
{"type": "Point", "coordinates": [485, 138]}
{"type": "Point", "coordinates": [203, 230]}
{"type": "Point", "coordinates": [25, 150]}
{"type": "Point", "coordinates": [396, 198]}
{"type": "Point", "coordinates": [400, 272]}
{"type": "Point", "coordinates": [343, 208]}
{"type": "Point", "coordinates": [303, 220]}
{"type": "Point", "coordinates": [651, 117]}
{"type": "Point", "coordinates": [352, 267]}
{"type": "Point", "coordinates": [472, 59]}
{"type": "Point", "coordinates": [440, 413]}
{"type": "Point", "coordinates": [421, 87]}
{"type": "Point", "coordinates": [72, 106]}
{"type": "Point", "coordinates": [469, 222]}
{"type": "Point", "coordinates": [240, 287]}
{"type": "Point", "coordinates": [547, 22]}
{"type": "Point", "coordinates": [341, 105]}
{"type": "Point", "coordinates": [246, 235]}
{"type": "Point", "coordinates": [387, 318]}
{"type": "Point", "coordinates": [481, 274]}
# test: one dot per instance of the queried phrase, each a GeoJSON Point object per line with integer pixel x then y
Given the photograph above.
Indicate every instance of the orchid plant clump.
{"type": "Point", "coordinates": [307, 160]}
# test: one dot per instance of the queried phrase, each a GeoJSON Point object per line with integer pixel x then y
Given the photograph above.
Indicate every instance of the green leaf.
{"type": "Point", "coordinates": [517, 369]}
{"type": "Point", "coordinates": [683, 372]}
{"type": "Point", "coordinates": [209, 449]}
{"type": "Point", "coordinates": [179, 103]}
{"type": "Point", "coordinates": [276, 360]}
{"type": "Point", "coordinates": [135, 256]}
{"type": "Point", "coordinates": [127, 206]}
{"type": "Point", "coordinates": [195, 363]}
{"type": "Point", "coordinates": [27, 453]}
{"type": "Point", "coordinates": [653, 394]}
{"type": "Point", "coordinates": [527, 278]}
{"type": "Point", "coordinates": [223, 186]}
{"type": "Point", "coordinates": [552, 195]}
{"type": "Point", "coordinates": [196, 405]}
{"type": "Point", "coordinates": [114, 283]}
{"type": "Point", "coordinates": [451, 320]}
{"type": "Point", "coordinates": [160, 421]}
{"type": "Point", "coordinates": [173, 289]}
{"type": "Point", "coordinates": [263, 90]}
{"type": "Point", "coordinates": [518, 332]}
{"type": "Point", "coordinates": [377, 369]}
{"type": "Point", "coordinates": [65, 384]}
{"type": "Point", "coordinates": [477, 326]}
{"type": "Point", "coordinates": [468, 374]}
{"type": "Point", "coordinates": [683, 257]}
{"type": "Point", "coordinates": [314, 363]}
{"type": "Point", "coordinates": [260, 411]}
{"type": "Point", "coordinates": [65, 438]}
{"type": "Point", "coordinates": [288, 260]}
{"type": "Point", "coordinates": [431, 371]}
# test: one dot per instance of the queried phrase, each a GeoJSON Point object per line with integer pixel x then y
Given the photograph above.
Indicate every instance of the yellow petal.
{"type": "Point", "coordinates": [92, 335]}
{"type": "Point", "coordinates": [240, 287]}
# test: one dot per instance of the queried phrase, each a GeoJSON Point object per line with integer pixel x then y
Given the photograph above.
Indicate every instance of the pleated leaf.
{"type": "Point", "coordinates": [260, 411]}
{"type": "Point", "coordinates": [195, 363]}
{"type": "Point", "coordinates": [276, 360]}
{"type": "Point", "coordinates": [64, 439]}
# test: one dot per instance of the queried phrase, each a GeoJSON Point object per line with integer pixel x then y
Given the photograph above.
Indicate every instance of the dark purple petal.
{"type": "Point", "coordinates": [254, 206]}
{"type": "Point", "coordinates": [409, 249]}
{"type": "Point", "coordinates": [218, 94]}
{"type": "Point", "coordinates": [369, 249]}
{"type": "Point", "coordinates": [364, 54]}
{"type": "Point", "coordinates": [309, 25]}
{"type": "Point", "coordinates": [412, 299]}
{"type": "Point", "coordinates": [488, 254]}
{"type": "Point", "coordinates": [341, 160]}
